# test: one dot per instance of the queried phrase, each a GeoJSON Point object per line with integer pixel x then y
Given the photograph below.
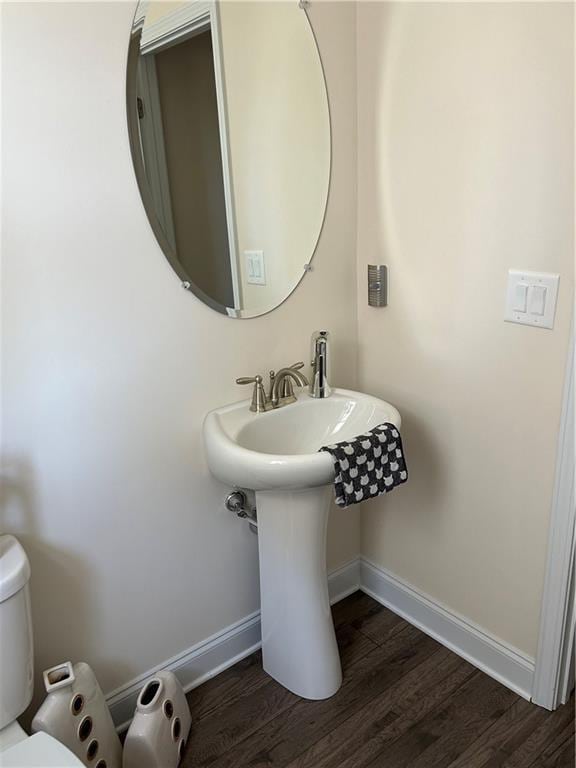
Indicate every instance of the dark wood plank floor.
{"type": "Point", "coordinates": [405, 701]}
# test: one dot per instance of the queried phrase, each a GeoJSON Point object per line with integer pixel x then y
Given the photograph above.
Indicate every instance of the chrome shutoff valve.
{"type": "Point", "coordinates": [236, 502]}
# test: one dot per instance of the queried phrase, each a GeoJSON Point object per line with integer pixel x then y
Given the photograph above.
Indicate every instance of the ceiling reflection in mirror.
{"type": "Point", "coordinates": [230, 138]}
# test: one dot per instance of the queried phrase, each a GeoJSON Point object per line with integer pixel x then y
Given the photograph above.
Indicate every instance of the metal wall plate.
{"type": "Point", "coordinates": [377, 285]}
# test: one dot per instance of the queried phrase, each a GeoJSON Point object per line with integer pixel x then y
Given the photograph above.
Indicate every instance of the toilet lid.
{"type": "Point", "coordinates": [14, 567]}
{"type": "Point", "coordinates": [39, 751]}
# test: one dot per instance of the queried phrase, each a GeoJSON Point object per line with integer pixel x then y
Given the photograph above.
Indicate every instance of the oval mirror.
{"type": "Point", "coordinates": [230, 139]}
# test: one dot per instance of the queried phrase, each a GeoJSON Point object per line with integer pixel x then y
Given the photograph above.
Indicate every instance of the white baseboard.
{"type": "Point", "coordinates": [215, 654]}
{"type": "Point", "coordinates": [344, 581]}
{"type": "Point", "coordinates": [494, 657]}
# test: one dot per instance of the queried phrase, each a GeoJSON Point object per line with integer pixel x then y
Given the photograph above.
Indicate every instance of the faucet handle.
{"type": "Point", "coordinates": [272, 377]}
{"type": "Point", "coordinates": [297, 366]}
{"type": "Point", "coordinates": [260, 402]}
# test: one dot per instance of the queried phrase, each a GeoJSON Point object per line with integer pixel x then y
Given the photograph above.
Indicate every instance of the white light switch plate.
{"type": "Point", "coordinates": [531, 298]}
{"type": "Point", "coordinates": [255, 269]}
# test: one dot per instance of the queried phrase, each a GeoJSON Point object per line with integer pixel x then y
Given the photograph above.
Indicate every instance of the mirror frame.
{"type": "Point", "coordinates": [144, 188]}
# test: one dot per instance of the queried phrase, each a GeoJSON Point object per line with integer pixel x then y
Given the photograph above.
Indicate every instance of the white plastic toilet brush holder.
{"type": "Point", "coordinates": [159, 731]}
{"type": "Point", "coordinates": [75, 713]}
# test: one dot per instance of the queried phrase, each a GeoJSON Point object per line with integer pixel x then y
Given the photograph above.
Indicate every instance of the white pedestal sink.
{"type": "Point", "coordinates": [276, 455]}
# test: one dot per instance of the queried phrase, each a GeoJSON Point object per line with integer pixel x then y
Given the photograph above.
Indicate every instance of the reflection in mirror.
{"type": "Point", "coordinates": [230, 138]}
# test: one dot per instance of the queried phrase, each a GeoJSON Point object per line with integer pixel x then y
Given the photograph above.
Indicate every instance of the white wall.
{"type": "Point", "coordinates": [466, 169]}
{"type": "Point", "coordinates": [155, 9]}
{"type": "Point", "coordinates": [109, 365]}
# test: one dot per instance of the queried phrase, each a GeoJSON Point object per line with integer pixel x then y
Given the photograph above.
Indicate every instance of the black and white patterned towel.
{"type": "Point", "coordinates": [368, 465]}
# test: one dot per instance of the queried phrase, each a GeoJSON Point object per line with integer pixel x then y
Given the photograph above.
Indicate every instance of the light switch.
{"type": "Point", "coordinates": [255, 271]}
{"type": "Point", "coordinates": [537, 302]}
{"type": "Point", "coordinates": [520, 297]}
{"type": "Point", "coordinates": [531, 298]}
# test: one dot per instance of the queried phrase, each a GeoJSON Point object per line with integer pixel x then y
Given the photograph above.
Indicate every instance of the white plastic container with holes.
{"type": "Point", "coordinates": [158, 733]}
{"type": "Point", "coordinates": [75, 712]}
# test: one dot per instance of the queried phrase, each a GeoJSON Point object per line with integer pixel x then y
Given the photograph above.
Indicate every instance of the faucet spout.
{"type": "Point", "coordinates": [281, 377]}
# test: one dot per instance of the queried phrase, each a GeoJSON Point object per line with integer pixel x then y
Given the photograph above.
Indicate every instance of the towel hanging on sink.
{"type": "Point", "coordinates": [368, 465]}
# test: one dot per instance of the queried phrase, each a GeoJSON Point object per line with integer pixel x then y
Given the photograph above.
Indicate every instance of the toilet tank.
{"type": "Point", "coordinates": [16, 642]}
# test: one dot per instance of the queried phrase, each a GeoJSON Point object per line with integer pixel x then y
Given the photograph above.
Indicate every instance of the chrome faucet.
{"type": "Point", "coordinates": [319, 384]}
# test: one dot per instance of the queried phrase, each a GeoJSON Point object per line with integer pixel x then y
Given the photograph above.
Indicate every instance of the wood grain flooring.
{"type": "Point", "coordinates": [405, 701]}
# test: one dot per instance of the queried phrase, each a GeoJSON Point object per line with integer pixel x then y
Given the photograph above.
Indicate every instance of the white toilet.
{"type": "Point", "coordinates": [17, 749]}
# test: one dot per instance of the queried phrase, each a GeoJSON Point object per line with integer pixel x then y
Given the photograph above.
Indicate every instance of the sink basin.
{"type": "Point", "coordinates": [279, 449]}
{"type": "Point", "coordinates": [276, 455]}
